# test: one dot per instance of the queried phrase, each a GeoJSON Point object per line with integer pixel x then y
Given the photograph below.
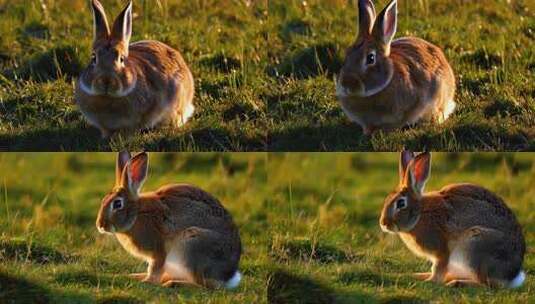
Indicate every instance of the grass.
{"type": "Point", "coordinates": [51, 252]}
{"type": "Point", "coordinates": [488, 43]}
{"type": "Point", "coordinates": [308, 222]}
{"type": "Point", "coordinates": [45, 44]}
{"type": "Point", "coordinates": [264, 74]}
{"type": "Point", "coordinates": [327, 246]}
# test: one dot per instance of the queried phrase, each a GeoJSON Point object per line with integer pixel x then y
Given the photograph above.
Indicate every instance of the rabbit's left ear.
{"type": "Point", "coordinates": [418, 172]}
{"type": "Point", "coordinates": [405, 157]}
{"type": "Point", "coordinates": [384, 28]}
{"type": "Point", "coordinates": [122, 27]}
{"type": "Point", "coordinates": [135, 173]}
{"type": "Point", "coordinates": [122, 159]}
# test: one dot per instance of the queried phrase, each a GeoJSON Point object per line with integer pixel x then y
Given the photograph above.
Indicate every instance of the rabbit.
{"type": "Point", "coordinates": [184, 233]}
{"type": "Point", "coordinates": [385, 84]}
{"type": "Point", "coordinates": [129, 86]}
{"type": "Point", "coordinates": [468, 233]}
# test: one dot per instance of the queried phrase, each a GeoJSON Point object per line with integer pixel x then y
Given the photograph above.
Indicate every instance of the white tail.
{"type": "Point", "coordinates": [448, 110]}
{"type": "Point", "coordinates": [518, 280]}
{"type": "Point", "coordinates": [234, 281]}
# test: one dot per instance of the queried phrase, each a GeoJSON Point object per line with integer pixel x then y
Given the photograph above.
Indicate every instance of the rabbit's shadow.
{"type": "Point", "coordinates": [285, 287]}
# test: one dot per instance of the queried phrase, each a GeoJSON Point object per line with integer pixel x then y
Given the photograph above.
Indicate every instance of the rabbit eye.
{"type": "Point", "coordinates": [370, 59]}
{"type": "Point", "coordinates": [401, 203]}
{"type": "Point", "coordinates": [93, 58]}
{"type": "Point", "coordinates": [121, 59]}
{"type": "Point", "coordinates": [117, 204]}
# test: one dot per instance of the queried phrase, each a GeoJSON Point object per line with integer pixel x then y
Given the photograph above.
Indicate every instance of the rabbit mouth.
{"type": "Point", "coordinates": [359, 91]}
{"type": "Point", "coordinates": [393, 228]}
{"type": "Point", "coordinates": [103, 230]}
{"type": "Point", "coordinates": [117, 90]}
{"type": "Point", "coordinates": [344, 92]}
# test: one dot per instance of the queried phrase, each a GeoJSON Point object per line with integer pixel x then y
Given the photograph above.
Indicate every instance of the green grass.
{"type": "Point", "coordinates": [264, 74]}
{"type": "Point", "coordinates": [327, 246]}
{"type": "Point", "coordinates": [308, 221]}
{"type": "Point", "coordinates": [51, 252]}
{"type": "Point", "coordinates": [488, 43]}
{"type": "Point", "coordinates": [43, 49]}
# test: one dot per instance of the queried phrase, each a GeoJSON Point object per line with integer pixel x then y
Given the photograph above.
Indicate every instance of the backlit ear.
{"type": "Point", "coordinates": [419, 171]}
{"type": "Point", "coordinates": [366, 17]}
{"type": "Point", "coordinates": [384, 28]}
{"type": "Point", "coordinates": [135, 173]}
{"type": "Point", "coordinates": [122, 27]}
{"type": "Point", "coordinates": [101, 29]}
{"type": "Point", "coordinates": [404, 159]}
{"type": "Point", "coordinates": [122, 159]}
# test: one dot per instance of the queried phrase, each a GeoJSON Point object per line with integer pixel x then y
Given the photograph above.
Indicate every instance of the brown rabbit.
{"type": "Point", "coordinates": [132, 85]}
{"type": "Point", "coordinates": [387, 84]}
{"type": "Point", "coordinates": [184, 234]}
{"type": "Point", "coordinates": [466, 231]}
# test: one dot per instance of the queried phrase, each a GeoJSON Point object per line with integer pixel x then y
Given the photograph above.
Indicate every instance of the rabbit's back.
{"type": "Point", "coordinates": [189, 206]}
{"type": "Point", "coordinates": [470, 205]}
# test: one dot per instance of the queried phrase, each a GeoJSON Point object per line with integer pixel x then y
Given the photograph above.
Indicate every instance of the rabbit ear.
{"type": "Point", "coordinates": [101, 29]}
{"type": "Point", "coordinates": [122, 159]}
{"type": "Point", "coordinates": [366, 17]}
{"type": "Point", "coordinates": [418, 172]}
{"type": "Point", "coordinates": [122, 27]}
{"type": "Point", "coordinates": [384, 28]}
{"type": "Point", "coordinates": [405, 157]}
{"type": "Point", "coordinates": [135, 173]}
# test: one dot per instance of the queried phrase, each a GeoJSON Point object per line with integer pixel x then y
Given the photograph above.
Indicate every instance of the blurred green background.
{"type": "Point", "coordinates": [327, 246]}
{"type": "Point", "coordinates": [51, 252]}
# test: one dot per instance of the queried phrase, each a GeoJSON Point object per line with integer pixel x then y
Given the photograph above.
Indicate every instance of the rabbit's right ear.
{"type": "Point", "coordinates": [366, 17]}
{"type": "Point", "coordinates": [101, 29]}
{"type": "Point", "coordinates": [405, 158]}
{"type": "Point", "coordinates": [122, 159]}
{"type": "Point", "coordinates": [135, 173]}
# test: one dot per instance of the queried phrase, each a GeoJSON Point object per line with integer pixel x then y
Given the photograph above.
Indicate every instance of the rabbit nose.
{"type": "Point", "coordinates": [103, 82]}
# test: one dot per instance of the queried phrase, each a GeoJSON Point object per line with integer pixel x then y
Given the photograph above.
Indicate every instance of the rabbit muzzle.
{"type": "Point", "coordinates": [387, 224]}
{"type": "Point", "coordinates": [104, 227]}
{"type": "Point", "coordinates": [107, 85]}
{"type": "Point", "coordinates": [349, 85]}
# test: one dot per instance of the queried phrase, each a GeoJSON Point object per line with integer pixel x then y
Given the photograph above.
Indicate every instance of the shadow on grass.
{"type": "Point", "coordinates": [340, 136]}
{"type": "Point", "coordinates": [402, 300]}
{"type": "Point", "coordinates": [310, 62]}
{"type": "Point", "coordinates": [348, 137]}
{"type": "Point", "coordinates": [284, 287]}
{"type": "Point", "coordinates": [54, 139]}
{"type": "Point", "coordinates": [370, 278]}
{"type": "Point", "coordinates": [21, 250]}
{"type": "Point", "coordinates": [205, 139]}
{"type": "Point", "coordinates": [18, 290]}
{"type": "Point", "coordinates": [119, 300]}
{"type": "Point", "coordinates": [53, 64]}
{"type": "Point", "coordinates": [305, 250]}
{"type": "Point", "coordinates": [82, 138]}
